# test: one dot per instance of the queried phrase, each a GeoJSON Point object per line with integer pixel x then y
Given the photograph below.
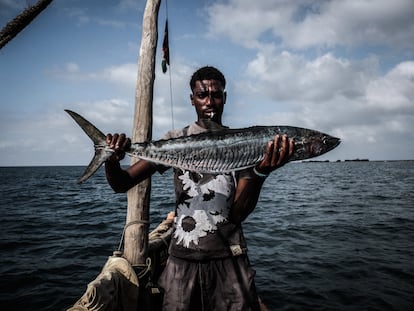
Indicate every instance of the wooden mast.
{"type": "Point", "coordinates": [137, 221]}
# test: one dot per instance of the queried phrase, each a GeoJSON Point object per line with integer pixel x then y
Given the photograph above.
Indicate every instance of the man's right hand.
{"type": "Point", "coordinates": [120, 143]}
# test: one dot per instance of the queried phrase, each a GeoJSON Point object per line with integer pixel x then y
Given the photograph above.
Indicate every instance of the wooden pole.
{"type": "Point", "coordinates": [137, 222]}
{"type": "Point", "coordinates": [21, 21]}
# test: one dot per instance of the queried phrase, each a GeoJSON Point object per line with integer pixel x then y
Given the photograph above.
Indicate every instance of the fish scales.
{"type": "Point", "coordinates": [215, 151]}
{"type": "Point", "coordinates": [211, 152]}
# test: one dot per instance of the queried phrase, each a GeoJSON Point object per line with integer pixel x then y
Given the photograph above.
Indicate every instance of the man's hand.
{"type": "Point", "coordinates": [120, 143]}
{"type": "Point", "coordinates": [278, 152]}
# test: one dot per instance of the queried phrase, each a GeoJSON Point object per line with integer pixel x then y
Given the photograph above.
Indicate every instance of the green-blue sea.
{"type": "Point", "coordinates": [324, 236]}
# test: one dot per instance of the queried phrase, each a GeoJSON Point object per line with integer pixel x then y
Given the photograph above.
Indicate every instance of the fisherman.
{"type": "Point", "coordinates": [208, 267]}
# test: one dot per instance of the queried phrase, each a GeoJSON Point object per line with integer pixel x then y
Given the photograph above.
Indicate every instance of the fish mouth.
{"type": "Point", "coordinates": [331, 142]}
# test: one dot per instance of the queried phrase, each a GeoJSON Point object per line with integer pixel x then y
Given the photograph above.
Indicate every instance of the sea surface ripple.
{"type": "Point", "coordinates": [324, 236]}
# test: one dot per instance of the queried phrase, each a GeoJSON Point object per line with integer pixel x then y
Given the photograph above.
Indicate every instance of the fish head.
{"type": "Point", "coordinates": [322, 143]}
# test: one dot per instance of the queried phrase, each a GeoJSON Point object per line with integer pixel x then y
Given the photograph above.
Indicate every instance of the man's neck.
{"type": "Point", "coordinates": [209, 123]}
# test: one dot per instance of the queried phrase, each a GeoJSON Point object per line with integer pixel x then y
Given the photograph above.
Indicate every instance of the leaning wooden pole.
{"type": "Point", "coordinates": [137, 221]}
{"type": "Point", "coordinates": [21, 21]}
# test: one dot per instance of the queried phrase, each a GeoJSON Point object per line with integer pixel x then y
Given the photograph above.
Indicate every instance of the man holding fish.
{"type": "Point", "coordinates": [208, 267]}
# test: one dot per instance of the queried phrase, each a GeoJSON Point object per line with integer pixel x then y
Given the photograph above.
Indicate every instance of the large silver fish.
{"type": "Point", "coordinates": [218, 150]}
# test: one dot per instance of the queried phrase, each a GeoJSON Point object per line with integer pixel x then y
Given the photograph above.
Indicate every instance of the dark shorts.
{"type": "Point", "coordinates": [220, 284]}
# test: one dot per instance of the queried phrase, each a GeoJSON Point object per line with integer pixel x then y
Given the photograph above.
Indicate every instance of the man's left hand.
{"type": "Point", "coordinates": [277, 154]}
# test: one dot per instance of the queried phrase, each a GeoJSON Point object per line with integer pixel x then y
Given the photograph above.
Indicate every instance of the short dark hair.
{"type": "Point", "coordinates": [207, 73]}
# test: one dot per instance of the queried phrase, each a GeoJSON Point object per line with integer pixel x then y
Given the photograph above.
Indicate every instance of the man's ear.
{"type": "Point", "coordinates": [192, 99]}
{"type": "Point", "coordinates": [224, 97]}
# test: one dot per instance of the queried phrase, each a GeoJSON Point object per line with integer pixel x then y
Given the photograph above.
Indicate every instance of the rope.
{"type": "Point", "coordinates": [145, 222]}
{"type": "Point", "coordinates": [146, 267]}
{"type": "Point", "coordinates": [171, 101]}
{"type": "Point", "coordinates": [140, 269]}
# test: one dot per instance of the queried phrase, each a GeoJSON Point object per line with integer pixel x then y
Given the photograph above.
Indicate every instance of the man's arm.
{"type": "Point", "coordinates": [122, 180]}
{"type": "Point", "coordinates": [248, 190]}
{"type": "Point", "coordinates": [246, 197]}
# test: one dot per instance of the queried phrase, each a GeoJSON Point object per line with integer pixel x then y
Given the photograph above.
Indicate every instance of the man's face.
{"type": "Point", "coordinates": [208, 98]}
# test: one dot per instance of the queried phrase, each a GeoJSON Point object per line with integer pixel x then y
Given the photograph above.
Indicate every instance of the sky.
{"type": "Point", "coordinates": [344, 67]}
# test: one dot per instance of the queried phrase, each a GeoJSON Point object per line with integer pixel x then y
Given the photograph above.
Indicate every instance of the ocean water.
{"type": "Point", "coordinates": [324, 236]}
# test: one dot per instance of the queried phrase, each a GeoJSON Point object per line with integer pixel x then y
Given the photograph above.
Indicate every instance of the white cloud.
{"type": "Point", "coordinates": [348, 98]}
{"type": "Point", "coordinates": [291, 77]}
{"type": "Point", "coordinates": [126, 75]}
{"type": "Point", "coordinates": [298, 78]}
{"type": "Point", "coordinates": [54, 138]}
{"type": "Point", "coordinates": [395, 90]}
{"type": "Point", "coordinates": [110, 22]}
{"type": "Point", "coordinates": [72, 68]}
{"type": "Point", "coordinates": [109, 115]}
{"type": "Point", "coordinates": [354, 22]}
{"type": "Point", "coordinates": [123, 74]}
{"type": "Point", "coordinates": [303, 63]}
{"type": "Point", "coordinates": [304, 24]}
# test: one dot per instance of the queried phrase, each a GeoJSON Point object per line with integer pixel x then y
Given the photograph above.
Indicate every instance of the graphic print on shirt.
{"type": "Point", "coordinates": [205, 205]}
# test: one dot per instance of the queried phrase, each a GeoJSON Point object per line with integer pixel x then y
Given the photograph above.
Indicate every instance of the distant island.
{"type": "Point", "coordinates": [352, 160]}
{"type": "Point", "coordinates": [327, 161]}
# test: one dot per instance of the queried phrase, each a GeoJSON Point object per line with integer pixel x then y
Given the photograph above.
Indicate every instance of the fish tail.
{"type": "Point", "coordinates": [102, 151]}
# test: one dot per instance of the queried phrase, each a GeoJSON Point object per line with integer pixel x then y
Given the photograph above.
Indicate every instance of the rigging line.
{"type": "Point", "coordinates": [169, 71]}
{"type": "Point", "coordinates": [171, 101]}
